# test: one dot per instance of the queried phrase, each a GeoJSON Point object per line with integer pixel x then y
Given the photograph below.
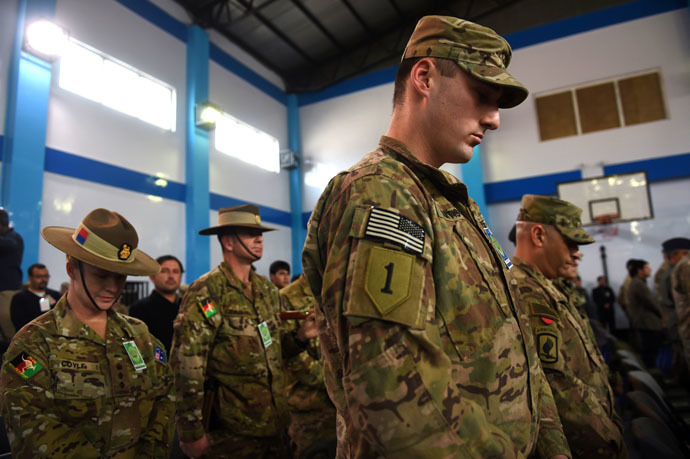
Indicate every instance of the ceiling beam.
{"type": "Point", "coordinates": [318, 24]}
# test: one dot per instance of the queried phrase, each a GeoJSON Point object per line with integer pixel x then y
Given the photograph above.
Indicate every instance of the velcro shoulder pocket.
{"type": "Point", "coordinates": [542, 310]}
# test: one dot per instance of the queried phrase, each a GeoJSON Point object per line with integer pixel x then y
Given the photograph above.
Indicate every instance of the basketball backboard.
{"type": "Point", "coordinates": [622, 197]}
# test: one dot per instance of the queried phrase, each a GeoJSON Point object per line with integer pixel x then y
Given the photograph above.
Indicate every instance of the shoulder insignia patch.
{"type": "Point", "coordinates": [543, 311]}
{"type": "Point", "coordinates": [395, 228]}
{"type": "Point", "coordinates": [547, 344]}
{"type": "Point", "coordinates": [160, 355]}
{"type": "Point", "coordinates": [25, 365]}
{"type": "Point", "coordinates": [208, 308]}
{"type": "Point", "coordinates": [388, 278]}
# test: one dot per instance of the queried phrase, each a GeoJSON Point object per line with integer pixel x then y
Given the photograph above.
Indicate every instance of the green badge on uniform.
{"type": "Point", "coordinates": [548, 347]}
{"type": "Point", "coordinates": [208, 308]}
{"type": "Point", "coordinates": [389, 274]}
{"type": "Point", "coordinates": [25, 365]}
{"type": "Point", "coordinates": [134, 355]}
{"type": "Point", "coordinates": [265, 334]}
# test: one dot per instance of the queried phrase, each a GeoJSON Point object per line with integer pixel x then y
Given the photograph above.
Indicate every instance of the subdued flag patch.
{"type": "Point", "coordinates": [25, 365]}
{"type": "Point", "coordinates": [395, 228]}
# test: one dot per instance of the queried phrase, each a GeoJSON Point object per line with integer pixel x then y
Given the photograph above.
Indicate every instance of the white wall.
{"type": "Point", "coordinates": [656, 42]}
{"type": "Point", "coordinates": [8, 18]}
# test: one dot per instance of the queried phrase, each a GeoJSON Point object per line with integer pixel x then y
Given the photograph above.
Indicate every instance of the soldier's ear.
{"type": "Point", "coordinates": [538, 234]}
{"type": "Point", "coordinates": [421, 76]}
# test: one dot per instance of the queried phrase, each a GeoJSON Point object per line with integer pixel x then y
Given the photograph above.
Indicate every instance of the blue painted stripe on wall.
{"type": "Point", "coordinates": [603, 18]}
{"type": "Point", "coordinates": [268, 214]}
{"type": "Point", "coordinates": [665, 168]}
{"type": "Point", "coordinates": [157, 16]}
{"type": "Point", "coordinates": [510, 190]}
{"type": "Point", "coordinates": [234, 66]}
{"type": "Point", "coordinates": [560, 29]}
{"type": "Point", "coordinates": [70, 165]}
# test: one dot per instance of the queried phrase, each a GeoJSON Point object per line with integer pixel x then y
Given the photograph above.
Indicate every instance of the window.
{"type": "Point", "coordinates": [624, 101]}
{"type": "Point", "coordinates": [246, 143]}
{"type": "Point", "coordinates": [93, 75]}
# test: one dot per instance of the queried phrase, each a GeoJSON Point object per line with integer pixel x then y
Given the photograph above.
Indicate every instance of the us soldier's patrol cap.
{"type": "Point", "coordinates": [478, 50]}
{"type": "Point", "coordinates": [564, 216]}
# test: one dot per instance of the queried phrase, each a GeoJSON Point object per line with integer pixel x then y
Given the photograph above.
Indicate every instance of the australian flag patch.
{"type": "Point", "coordinates": [395, 228]}
{"type": "Point", "coordinates": [160, 355]}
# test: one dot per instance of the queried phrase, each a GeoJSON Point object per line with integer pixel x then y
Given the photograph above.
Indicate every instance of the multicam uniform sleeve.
{"type": "Point", "coordinates": [380, 302]}
{"type": "Point", "coordinates": [33, 421]}
{"type": "Point", "coordinates": [195, 330]}
{"type": "Point", "coordinates": [157, 437]}
{"type": "Point", "coordinates": [551, 440]}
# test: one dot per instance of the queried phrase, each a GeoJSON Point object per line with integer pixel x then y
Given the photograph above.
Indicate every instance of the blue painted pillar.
{"type": "Point", "coordinates": [473, 177]}
{"type": "Point", "coordinates": [298, 233]}
{"type": "Point", "coordinates": [198, 201]}
{"type": "Point", "coordinates": [28, 93]}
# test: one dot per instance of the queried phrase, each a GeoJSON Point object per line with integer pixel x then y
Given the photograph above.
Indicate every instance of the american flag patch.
{"type": "Point", "coordinates": [395, 228]}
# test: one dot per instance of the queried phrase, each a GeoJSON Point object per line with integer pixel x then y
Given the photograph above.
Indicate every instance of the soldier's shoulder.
{"type": "Point", "coordinates": [214, 276]}
{"type": "Point", "coordinates": [41, 326]}
{"type": "Point", "coordinates": [138, 326]}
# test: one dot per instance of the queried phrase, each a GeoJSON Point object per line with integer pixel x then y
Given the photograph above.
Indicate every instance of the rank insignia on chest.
{"type": "Point", "coordinates": [160, 355]}
{"type": "Point", "coordinates": [208, 308]}
{"type": "Point", "coordinates": [25, 365]}
{"type": "Point", "coordinates": [547, 344]}
{"type": "Point", "coordinates": [498, 248]}
{"type": "Point", "coordinates": [395, 228]}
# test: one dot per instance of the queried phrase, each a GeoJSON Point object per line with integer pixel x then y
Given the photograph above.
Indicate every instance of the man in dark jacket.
{"type": "Point", "coordinates": [645, 315]}
{"type": "Point", "coordinates": [604, 298]}
{"type": "Point", "coordinates": [35, 300]}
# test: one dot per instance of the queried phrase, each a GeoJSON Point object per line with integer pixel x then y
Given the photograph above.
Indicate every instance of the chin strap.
{"type": "Point", "coordinates": [245, 248]}
{"type": "Point", "coordinates": [83, 283]}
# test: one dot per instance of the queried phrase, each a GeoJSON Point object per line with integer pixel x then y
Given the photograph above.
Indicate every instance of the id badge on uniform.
{"type": "Point", "coordinates": [265, 334]}
{"type": "Point", "coordinates": [44, 304]}
{"type": "Point", "coordinates": [134, 355]}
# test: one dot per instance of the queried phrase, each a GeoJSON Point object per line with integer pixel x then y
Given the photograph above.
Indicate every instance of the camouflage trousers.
{"type": "Point", "coordinates": [224, 445]}
{"type": "Point", "coordinates": [313, 433]}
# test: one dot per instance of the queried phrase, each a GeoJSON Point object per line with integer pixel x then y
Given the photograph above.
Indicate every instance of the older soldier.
{"type": "Point", "coordinates": [426, 353]}
{"type": "Point", "coordinates": [229, 350]}
{"type": "Point", "coordinates": [680, 286]}
{"type": "Point", "coordinates": [548, 233]}
{"type": "Point", "coordinates": [83, 380]}
{"type": "Point", "coordinates": [312, 414]}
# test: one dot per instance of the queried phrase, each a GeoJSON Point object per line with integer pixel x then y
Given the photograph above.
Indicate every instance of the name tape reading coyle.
{"type": "Point", "coordinates": [395, 228]}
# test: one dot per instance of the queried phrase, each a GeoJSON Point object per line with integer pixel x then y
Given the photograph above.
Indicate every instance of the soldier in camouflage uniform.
{"type": "Point", "coordinates": [425, 351]}
{"type": "Point", "coordinates": [312, 414]}
{"type": "Point", "coordinates": [548, 233]}
{"type": "Point", "coordinates": [82, 380]}
{"type": "Point", "coordinates": [680, 286]}
{"type": "Point", "coordinates": [230, 346]}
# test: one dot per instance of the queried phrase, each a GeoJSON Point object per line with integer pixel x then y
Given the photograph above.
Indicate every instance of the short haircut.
{"type": "Point", "coordinates": [600, 278]}
{"type": "Point", "coordinates": [163, 258]}
{"type": "Point", "coordinates": [4, 218]}
{"type": "Point", "coordinates": [629, 263]}
{"type": "Point", "coordinates": [35, 266]}
{"type": "Point", "coordinates": [446, 68]}
{"type": "Point", "coordinates": [278, 265]}
{"type": "Point", "coordinates": [224, 232]}
{"type": "Point", "coordinates": [635, 266]}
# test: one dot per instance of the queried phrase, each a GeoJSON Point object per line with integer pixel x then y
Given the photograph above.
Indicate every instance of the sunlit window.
{"type": "Point", "coordinates": [93, 75]}
{"type": "Point", "coordinates": [246, 143]}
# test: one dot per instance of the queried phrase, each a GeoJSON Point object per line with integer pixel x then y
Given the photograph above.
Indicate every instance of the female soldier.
{"type": "Point", "coordinates": [82, 380]}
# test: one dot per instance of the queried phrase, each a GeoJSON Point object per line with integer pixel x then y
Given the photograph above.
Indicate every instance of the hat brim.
{"type": "Point", "coordinates": [61, 238]}
{"type": "Point", "coordinates": [220, 228]}
{"type": "Point", "coordinates": [514, 93]}
{"type": "Point", "coordinates": [577, 235]}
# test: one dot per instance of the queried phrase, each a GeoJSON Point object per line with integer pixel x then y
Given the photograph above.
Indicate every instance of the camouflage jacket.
{"type": "Point", "coordinates": [573, 365]}
{"type": "Point", "coordinates": [644, 310]}
{"type": "Point", "coordinates": [218, 337]}
{"type": "Point", "coordinates": [305, 386]}
{"type": "Point", "coordinates": [425, 353]}
{"type": "Point", "coordinates": [680, 281]}
{"type": "Point", "coordinates": [66, 392]}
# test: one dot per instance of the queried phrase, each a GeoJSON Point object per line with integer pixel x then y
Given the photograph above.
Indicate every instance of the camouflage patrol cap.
{"type": "Point", "coordinates": [478, 50]}
{"type": "Point", "coordinates": [551, 211]}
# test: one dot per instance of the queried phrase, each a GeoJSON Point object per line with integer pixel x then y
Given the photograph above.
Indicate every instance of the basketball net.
{"type": "Point", "coordinates": [605, 228]}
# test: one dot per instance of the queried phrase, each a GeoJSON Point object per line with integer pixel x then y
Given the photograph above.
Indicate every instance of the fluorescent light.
{"type": "Point", "coordinates": [246, 143]}
{"type": "Point", "coordinates": [45, 39]}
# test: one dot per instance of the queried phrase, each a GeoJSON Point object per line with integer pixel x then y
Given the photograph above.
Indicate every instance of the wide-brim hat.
{"type": "Point", "coordinates": [244, 216]}
{"type": "Point", "coordinates": [563, 215]}
{"type": "Point", "coordinates": [478, 50]}
{"type": "Point", "coordinates": [104, 239]}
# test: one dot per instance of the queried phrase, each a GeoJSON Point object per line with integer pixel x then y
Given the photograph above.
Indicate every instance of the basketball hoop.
{"type": "Point", "coordinates": [606, 228]}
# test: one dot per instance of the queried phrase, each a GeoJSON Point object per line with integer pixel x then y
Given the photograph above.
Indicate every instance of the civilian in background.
{"type": "Point", "coordinates": [645, 315]}
{"type": "Point", "coordinates": [623, 292]}
{"type": "Point", "coordinates": [280, 273]}
{"type": "Point", "coordinates": [35, 300]}
{"type": "Point", "coordinates": [159, 309]}
{"type": "Point", "coordinates": [11, 251]}
{"type": "Point", "coordinates": [604, 298]}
